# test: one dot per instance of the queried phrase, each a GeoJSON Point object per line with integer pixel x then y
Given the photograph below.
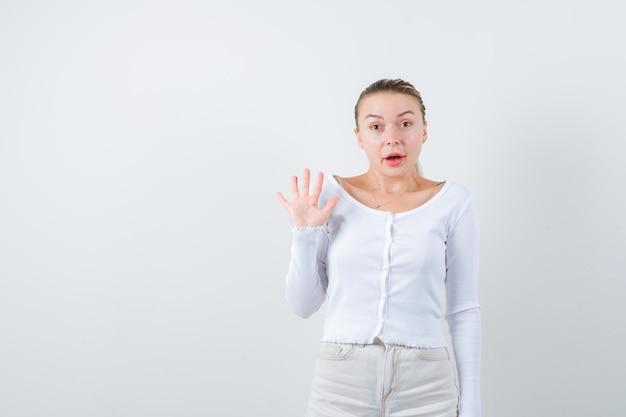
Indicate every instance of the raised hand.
{"type": "Point", "coordinates": [303, 209]}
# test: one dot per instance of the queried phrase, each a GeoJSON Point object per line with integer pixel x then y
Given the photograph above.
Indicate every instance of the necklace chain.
{"type": "Point", "coordinates": [386, 202]}
{"type": "Point", "coordinates": [378, 205]}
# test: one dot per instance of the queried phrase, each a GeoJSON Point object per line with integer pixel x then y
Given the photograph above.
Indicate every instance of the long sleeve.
{"type": "Point", "coordinates": [306, 281]}
{"type": "Point", "coordinates": [463, 309]}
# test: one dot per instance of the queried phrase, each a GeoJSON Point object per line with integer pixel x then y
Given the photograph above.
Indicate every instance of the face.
{"type": "Point", "coordinates": [392, 130]}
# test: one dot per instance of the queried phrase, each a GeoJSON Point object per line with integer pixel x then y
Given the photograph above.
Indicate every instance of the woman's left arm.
{"type": "Point", "coordinates": [462, 307]}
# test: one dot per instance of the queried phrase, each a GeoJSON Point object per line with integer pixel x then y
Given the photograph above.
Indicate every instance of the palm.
{"type": "Point", "coordinates": [303, 209]}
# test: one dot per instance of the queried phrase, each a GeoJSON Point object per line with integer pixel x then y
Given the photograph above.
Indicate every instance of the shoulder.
{"type": "Point", "coordinates": [348, 183]}
{"type": "Point", "coordinates": [457, 203]}
{"type": "Point", "coordinates": [330, 187]}
{"type": "Point", "coordinates": [458, 190]}
{"type": "Point", "coordinates": [457, 195]}
{"type": "Point", "coordinates": [331, 182]}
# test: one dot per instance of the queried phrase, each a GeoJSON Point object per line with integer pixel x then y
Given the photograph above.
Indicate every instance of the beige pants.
{"type": "Point", "coordinates": [381, 380]}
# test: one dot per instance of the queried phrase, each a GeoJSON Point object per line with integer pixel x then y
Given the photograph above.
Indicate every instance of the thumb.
{"type": "Point", "coordinates": [330, 205]}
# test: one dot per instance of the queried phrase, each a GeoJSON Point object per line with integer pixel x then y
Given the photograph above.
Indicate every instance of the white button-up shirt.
{"type": "Point", "coordinates": [394, 275]}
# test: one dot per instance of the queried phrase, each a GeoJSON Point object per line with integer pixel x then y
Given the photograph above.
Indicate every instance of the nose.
{"type": "Point", "coordinates": [392, 137]}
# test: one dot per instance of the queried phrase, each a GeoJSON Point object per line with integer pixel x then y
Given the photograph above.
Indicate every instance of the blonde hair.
{"type": "Point", "coordinates": [395, 85]}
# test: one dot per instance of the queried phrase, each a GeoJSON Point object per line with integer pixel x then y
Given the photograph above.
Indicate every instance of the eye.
{"type": "Point", "coordinates": [406, 124]}
{"type": "Point", "coordinates": [375, 127]}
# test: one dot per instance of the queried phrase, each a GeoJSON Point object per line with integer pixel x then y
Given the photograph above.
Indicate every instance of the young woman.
{"type": "Point", "coordinates": [381, 247]}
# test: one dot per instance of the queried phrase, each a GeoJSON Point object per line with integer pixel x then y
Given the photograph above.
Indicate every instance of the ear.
{"type": "Point", "coordinates": [425, 132]}
{"type": "Point", "coordinates": [359, 141]}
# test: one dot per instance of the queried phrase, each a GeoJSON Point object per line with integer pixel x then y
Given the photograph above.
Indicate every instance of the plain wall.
{"type": "Point", "coordinates": [142, 248]}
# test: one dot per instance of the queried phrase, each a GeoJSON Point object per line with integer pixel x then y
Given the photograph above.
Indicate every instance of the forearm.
{"type": "Point", "coordinates": [465, 331]}
{"type": "Point", "coordinates": [305, 287]}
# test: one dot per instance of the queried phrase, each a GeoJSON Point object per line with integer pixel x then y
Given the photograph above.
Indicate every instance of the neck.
{"type": "Point", "coordinates": [392, 185]}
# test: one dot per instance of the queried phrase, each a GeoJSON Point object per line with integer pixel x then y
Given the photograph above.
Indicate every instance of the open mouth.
{"type": "Point", "coordinates": [394, 159]}
{"type": "Point", "coordinates": [393, 156]}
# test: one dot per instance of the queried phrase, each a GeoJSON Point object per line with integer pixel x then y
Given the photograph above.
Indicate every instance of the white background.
{"type": "Point", "coordinates": [143, 251]}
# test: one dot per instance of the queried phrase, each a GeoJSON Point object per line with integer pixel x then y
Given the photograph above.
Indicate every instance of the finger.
{"type": "Point", "coordinates": [295, 192]}
{"type": "Point", "coordinates": [318, 184]}
{"type": "Point", "coordinates": [317, 190]}
{"type": "Point", "coordinates": [306, 180]}
{"type": "Point", "coordinates": [281, 198]}
{"type": "Point", "coordinates": [330, 205]}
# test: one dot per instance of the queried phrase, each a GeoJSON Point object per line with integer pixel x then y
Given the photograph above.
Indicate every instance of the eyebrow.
{"type": "Point", "coordinates": [399, 115]}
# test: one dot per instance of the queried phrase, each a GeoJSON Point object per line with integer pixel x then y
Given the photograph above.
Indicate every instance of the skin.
{"type": "Point", "coordinates": [391, 130]}
{"type": "Point", "coordinates": [391, 124]}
